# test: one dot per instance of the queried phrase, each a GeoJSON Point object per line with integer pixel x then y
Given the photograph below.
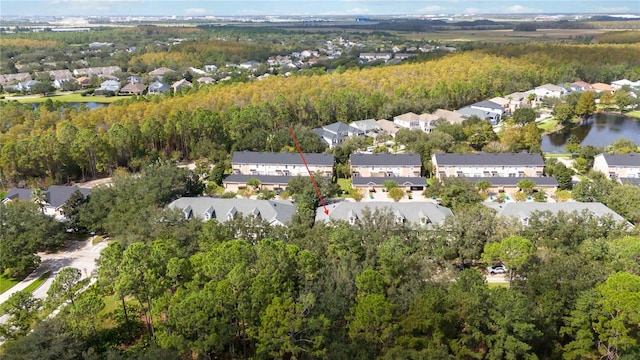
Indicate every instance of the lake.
{"type": "Point", "coordinates": [599, 130]}
{"type": "Point", "coordinates": [90, 105]}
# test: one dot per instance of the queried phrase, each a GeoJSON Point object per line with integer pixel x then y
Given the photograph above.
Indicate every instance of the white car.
{"type": "Point", "coordinates": [498, 269]}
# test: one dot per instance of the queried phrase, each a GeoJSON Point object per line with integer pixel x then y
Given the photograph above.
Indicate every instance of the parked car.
{"type": "Point", "coordinates": [498, 269]}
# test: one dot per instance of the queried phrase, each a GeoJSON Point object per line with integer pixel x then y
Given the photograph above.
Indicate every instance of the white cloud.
{"type": "Point", "coordinates": [519, 9]}
{"type": "Point", "coordinates": [353, 11]}
{"type": "Point", "coordinates": [609, 10]}
{"type": "Point", "coordinates": [430, 9]}
{"type": "Point", "coordinates": [195, 11]}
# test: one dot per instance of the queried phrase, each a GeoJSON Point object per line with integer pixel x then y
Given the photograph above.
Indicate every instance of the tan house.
{"type": "Point", "coordinates": [600, 87]}
{"type": "Point", "coordinates": [385, 165]}
{"type": "Point", "coordinates": [621, 167]}
{"type": "Point", "coordinates": [133, 89]}
{"type": "Point", "coordinates": [487, 165]}
{"type": "Point", "coordinates": [451, 116]}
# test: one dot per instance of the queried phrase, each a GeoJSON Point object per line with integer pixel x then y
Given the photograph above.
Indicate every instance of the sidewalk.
{"type": "Point", "coordinates": [24, 283]}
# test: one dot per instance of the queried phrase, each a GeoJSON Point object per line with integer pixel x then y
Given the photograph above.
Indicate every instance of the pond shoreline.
{"type": "Point", "coordinates": [599, 129]}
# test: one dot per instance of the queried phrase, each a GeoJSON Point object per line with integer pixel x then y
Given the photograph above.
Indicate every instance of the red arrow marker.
{"type": "Point", "coordinates": [313, 181]}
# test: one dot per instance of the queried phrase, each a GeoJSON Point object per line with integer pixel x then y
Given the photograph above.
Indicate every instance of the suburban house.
{"type": "Point", "coordinates": [134, 79]}
{"type": "Point", "coordinates": [7, 79]}
{"type": "Point", "coordinates": [580, 86]}
{"type": "Point", "coordinates": [336, 133]}
{"type": "Point", "coordinates": [490, 106]}
{"type": "Point", "coordinates": [53, 198]}
{"type": "Point", "coordinates": [274, 170]}
{"type": "Point", "coordinates": [424, 214]}
{"type": "Point", "coordinates": [25, 86]}
{"type": "Point", "coordinates": [109, 86]}
{"type": "Point", "coordinates": [403, 56]}
{"type": "Point", "coordinates": [18, 194]}
{"type": "Point", "coordinates": [206, 80]}
{"type": "Point", "coordinates": [520, 99]}
{"type": "Point", "coordinates": [59, 83]}
{"type": "Point", "coordinates": [424, 122]}
{"type": "Point", "coordinates": [389, 127]}
{"type": "Point", "coordinates": [160, 73]}
{"type": "Point", "coordinates": [549, 90]}
{"type": "Point", "coordinates": [600, 87]}
{"type": "Point", "coordinates": [491, 116]}
{"type": "Point", "coordinates": [133, 89]}
{"type": "Point", "coordinates": [210, 68]}
{"type": "Point", "coordinates": [621, 167]}
{"type": "Point", "coordinates": [408, 120]}
{"type": "Point", "coordinates": [63, 74]}
{"type": "Point", "coordinates": [375, 56]}
{"type": "Point", "coordinates": [275, 212]}
{"type": "Point", "coordinates": [181, 84]}
{"type": "Point", "coordinates": [487, 165]}
{"type": "Point", "coordinates": [84, 82]}
{"type": "Point", "coordinates": [158, 87]}
{"type": "Point", "coordinates": [96, 71]}
{"type": "Point", "coordinates": [57, 196]}
{"type": "Point", "coordinates": [368, 126]}
{"type": "Point", "coordinates": [625, 82]}
{"type": "Point", "coordinates": [450, 116]}
{"type": "Point", "coordinates": [522, 211]}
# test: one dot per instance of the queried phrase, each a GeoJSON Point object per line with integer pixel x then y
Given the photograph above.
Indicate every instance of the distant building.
{"type": "Point", "coordinates": [158, 87]}
{"type": "Point", "coordinates": [336, 133]}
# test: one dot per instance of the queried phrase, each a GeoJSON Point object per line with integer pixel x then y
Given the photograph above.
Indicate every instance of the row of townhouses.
{"type": "Point", "coordinates": [421, 214]}
{"type": "Point", "coordinates": [369, 171]}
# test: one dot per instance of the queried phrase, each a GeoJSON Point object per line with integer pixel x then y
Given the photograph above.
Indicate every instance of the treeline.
{"type": "Point", "coordinates": [378, 289]}
{"type": "Point", "coordinates": [63, 144]}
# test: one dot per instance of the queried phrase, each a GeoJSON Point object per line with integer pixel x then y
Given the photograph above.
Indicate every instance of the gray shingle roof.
{"type": "Point", "coordinates": [384, 159]}
{"type": "Point", "coordinates": [251, 157]}
{"type": "Point", "coordinates": [411, 212]}
{"type": "Point", "coordinates": [273, 211]}
{"type": "Point", "coordinates": [19, 193]}
{"type": "Point", "coordinates": [488, 104]}
{"type": "Point", "coordinates": [58, 195]}
{"type": "Point", "coordinates": [402, 181]}
{"type": "Point", "coordinates": [628, 160]}
{"type": "Point", "coordinates": [486, 159]}
{"type": "Point", "coordinates": [522, 210]}
{"type": "Point", "coordinates": [512, 181]}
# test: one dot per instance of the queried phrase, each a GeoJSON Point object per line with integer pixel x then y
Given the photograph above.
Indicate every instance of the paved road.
{"type": "Point", "coordinates": [81, 255]}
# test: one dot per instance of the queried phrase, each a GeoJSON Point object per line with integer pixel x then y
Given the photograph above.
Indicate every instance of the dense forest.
{"type": "Point", "coordinates": [60, 144]}
{"type": "Point", "coordinates": [171, 288]}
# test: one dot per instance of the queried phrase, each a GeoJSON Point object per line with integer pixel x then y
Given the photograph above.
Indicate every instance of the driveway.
{"type": "Point", "coordinates": [81, 255]}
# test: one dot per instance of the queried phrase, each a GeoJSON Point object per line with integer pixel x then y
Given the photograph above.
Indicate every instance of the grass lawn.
{"type": "Point", "coordinates": [547, 125]}
{"type": "Point", "coordinates": [96, 239]}
{"type": "Point", "coordinates": [76, 97]}
{"type": "Point", "coordinates": [560, 155]}
{"type": "Point", "coordinates": [635, 114]}
{"type": "Point", "coordinates": [38, 282]}
{"type": "Point", "coordinates": [345, 184]}
{"type": "Point", "coordinates": [7, 282]}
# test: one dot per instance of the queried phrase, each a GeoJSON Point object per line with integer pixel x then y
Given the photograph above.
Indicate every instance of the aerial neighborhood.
{"type": "Point", "coordinates": [438, 184]}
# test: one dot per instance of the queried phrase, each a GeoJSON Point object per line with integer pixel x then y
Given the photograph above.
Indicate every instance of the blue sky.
{"type": "Point", "coordinates": [309, 7]}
